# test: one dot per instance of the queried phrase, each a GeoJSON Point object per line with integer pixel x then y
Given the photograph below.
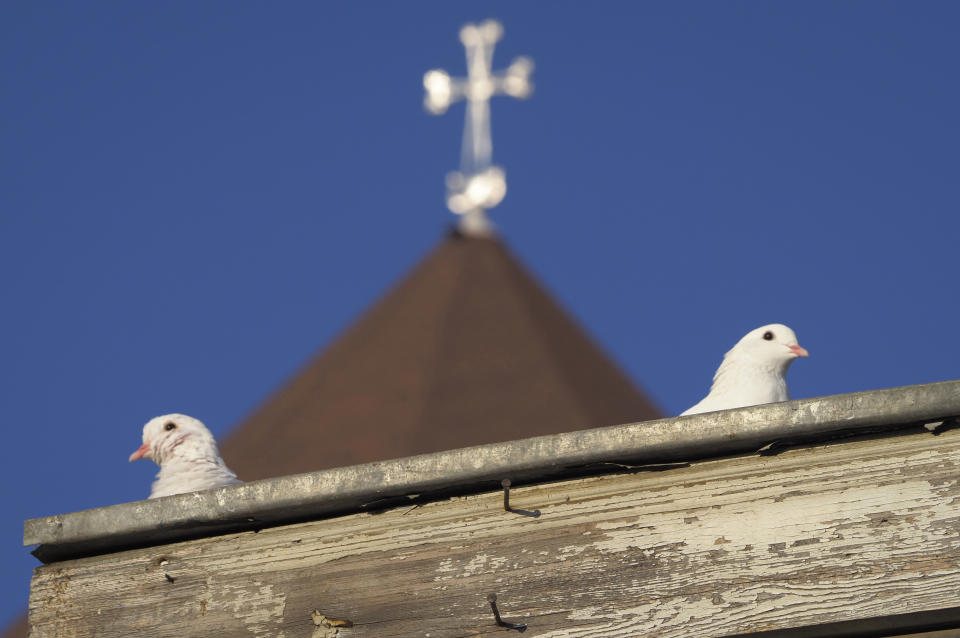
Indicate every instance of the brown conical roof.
{"type": "Point", "coordinates": [467, 349]}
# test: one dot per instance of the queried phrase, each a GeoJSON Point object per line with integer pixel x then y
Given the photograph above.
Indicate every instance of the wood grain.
{"type": "Point", "coordinates": [825, 534]}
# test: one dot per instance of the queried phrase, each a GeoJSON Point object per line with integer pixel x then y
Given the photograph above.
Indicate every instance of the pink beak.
{"type": "Point", "coordinates": [799, 351]}
{"type": "Point", "coordinates": [141, 452]}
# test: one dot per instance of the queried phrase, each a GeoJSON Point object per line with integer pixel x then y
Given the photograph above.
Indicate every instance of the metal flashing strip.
{"type": "Point", "coordinates": [300, 497]}
{"type": "Point", "coordinates": [934, 623]}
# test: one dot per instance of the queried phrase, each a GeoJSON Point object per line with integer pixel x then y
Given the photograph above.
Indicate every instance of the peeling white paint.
{"type": "Point", "coordinates": [571, 550]}
{"type": "Point", "coordinates": [254, 604]}
{"type": "Point", "coordinates": [766, 521]}
{"type": "Point", "coordinates": [476, 564]}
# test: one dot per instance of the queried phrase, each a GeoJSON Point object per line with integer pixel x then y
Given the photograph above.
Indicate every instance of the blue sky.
{"type": "Point", "coordinates": [196, 197]}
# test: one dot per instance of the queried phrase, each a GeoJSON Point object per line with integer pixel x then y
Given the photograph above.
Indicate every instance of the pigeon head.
{"type": "Point", "coordinates": [774, 345]}
{"type": "Point", "coordinates": [175, 436]}
{"type": "Point", "coordinates": [753, 371]}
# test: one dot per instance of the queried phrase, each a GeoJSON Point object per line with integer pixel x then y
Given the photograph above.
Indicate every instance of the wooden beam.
{"type": "Point", "coordinates": [824, 534]}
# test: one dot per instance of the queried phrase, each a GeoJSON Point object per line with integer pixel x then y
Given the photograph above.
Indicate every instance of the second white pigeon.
{"type": "Point", "coordinates": [187, 454]}
{"type": "Point", "coordinates": [753, 371]}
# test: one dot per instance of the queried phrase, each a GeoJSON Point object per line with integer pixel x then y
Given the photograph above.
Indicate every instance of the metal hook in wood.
{"type": "Point", "coordinates": [492, 599]}
{"type": "Point", "coordinates": [505, 484]}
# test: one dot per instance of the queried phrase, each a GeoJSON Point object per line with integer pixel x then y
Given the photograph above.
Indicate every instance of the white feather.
{"type": "Point", "coordinates": [187, 454]}
{"type": "Point", "coordinates": [753, 371]}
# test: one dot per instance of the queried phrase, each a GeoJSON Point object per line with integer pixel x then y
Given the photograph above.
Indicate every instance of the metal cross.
{"type": "Point", "coordinates": [479, 185]}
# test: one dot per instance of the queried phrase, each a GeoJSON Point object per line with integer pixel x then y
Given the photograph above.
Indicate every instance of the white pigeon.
{"type": "Point", "coordinates": [753, 371]}
{"type": "Point", "coordinates": [187, 454]}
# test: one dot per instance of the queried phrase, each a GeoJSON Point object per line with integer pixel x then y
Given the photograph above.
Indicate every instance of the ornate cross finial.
{"type": "Point", "coordinates": [479, 185]}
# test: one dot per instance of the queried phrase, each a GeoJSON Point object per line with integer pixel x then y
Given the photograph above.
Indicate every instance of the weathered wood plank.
{"type": "Point", "coordinates": [825, 534]}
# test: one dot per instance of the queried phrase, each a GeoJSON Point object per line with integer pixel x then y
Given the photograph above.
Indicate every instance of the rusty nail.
{"type": "Point", "coordinates": [505, 484]}
{"type": "Point", "coordinates": [492, 599]}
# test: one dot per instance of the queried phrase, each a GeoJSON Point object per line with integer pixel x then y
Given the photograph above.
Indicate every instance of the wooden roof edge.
{"type": "Point", "coordinates": [355, 488]}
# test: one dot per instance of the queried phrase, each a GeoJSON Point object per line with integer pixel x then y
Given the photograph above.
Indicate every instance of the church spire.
{"type": "Point", "coordinates": [479, 185]}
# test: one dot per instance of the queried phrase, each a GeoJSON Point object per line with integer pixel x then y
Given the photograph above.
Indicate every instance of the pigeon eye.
{"type": "Point", "coordinates": [170, 426]}
{"type": "Point", "coordinates": [768, 336]}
